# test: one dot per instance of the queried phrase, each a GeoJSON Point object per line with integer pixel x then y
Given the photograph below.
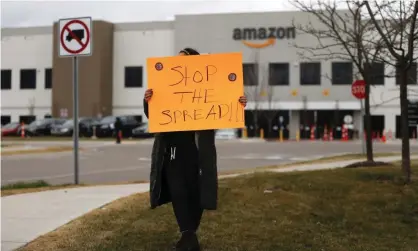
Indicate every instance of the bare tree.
{"type": "Point", "coordinates": [396, 24]}
{"type": "Point", "coordinates": [261, 93]}
{"type": "Point", "coordinates": [253, 88]}
{"type": "Point", "coordinates": [268, 93]}
{"type": "Point", "coordinates": [345, 36]}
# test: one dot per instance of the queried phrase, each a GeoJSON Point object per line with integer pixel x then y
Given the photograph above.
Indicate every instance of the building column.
{"type": "Point", "coordinates": [390, 123]}
{"type": "Point", "coordinates": [357, 120]}
{"type": "Point", "coordinates": [294, 125]}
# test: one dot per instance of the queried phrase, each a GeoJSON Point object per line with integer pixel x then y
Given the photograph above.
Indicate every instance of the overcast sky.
{"type": "Point", "coordinates": [41, 13]}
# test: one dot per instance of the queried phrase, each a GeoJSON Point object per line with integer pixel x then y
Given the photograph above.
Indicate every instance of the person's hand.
{"type": "Point", "coordinates": [243, 100]}
{"type": "Point", "coordinates": [148, 95]}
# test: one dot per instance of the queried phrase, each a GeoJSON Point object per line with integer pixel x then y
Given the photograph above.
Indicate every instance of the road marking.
{"type": "Point", "coordinates": [298, 158]}
{"type": "Point", "coordinates": [273, 157]}
{"type": "Point", "coordinates": [144, 159]}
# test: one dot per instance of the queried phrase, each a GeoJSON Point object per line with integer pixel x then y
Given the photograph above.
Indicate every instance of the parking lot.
{"type": "Point", "coordinates": [106, 162]}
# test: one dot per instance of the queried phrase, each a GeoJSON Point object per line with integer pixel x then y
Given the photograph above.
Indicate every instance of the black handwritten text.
{"type": "Point", "coordinates": [233, 111]}
{"type": "Point", "coordinates": [197, 76]}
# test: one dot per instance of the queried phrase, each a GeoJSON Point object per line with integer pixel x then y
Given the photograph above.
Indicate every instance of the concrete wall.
{"type": "Point", "coordinates": [133, 44]}
{"type": "Point", "coordinates": [26, 49]}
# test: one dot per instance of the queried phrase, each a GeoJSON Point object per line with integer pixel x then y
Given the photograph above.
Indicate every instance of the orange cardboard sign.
{"type": "Point", "coordinates": [195, 92]}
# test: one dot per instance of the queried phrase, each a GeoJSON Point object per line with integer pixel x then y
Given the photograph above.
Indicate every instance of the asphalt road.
{"type": "Point", "coordinates": [105, 162]}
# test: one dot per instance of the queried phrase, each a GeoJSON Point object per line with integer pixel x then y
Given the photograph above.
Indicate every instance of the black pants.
{"type": "Point", "coordinates": [182, 174]}
{"type": "Point", "coordinates": [118, 138]}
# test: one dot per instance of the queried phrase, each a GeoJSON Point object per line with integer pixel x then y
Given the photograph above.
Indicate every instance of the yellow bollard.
{"type": "Point", "coordinates": [244, 133]}
{"type": "Point", "coordinates": [281, 135]}
{"type": "Point", "coordinates": [262, 133]}
{"type": "Point", "coordinates": [297, 135]}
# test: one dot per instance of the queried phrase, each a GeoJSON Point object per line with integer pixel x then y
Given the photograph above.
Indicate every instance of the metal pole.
{"type": "Point", "coordinates": [363, 143]}
{"type": "Point", "coordinates": [75, 117]}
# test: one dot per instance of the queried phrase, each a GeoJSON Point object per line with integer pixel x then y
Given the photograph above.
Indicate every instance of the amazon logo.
{"type": "Point", "coordinates": [264, 36]}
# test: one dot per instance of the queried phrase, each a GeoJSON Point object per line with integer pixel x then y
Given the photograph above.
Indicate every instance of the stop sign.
{"type": "Point", "coordinates": [358, 89]}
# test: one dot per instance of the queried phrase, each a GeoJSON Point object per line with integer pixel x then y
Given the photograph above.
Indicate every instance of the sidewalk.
{"type": "Point", "coordinates": [334, 165]}
{"type": "Point", "coordinates": [25, 217]}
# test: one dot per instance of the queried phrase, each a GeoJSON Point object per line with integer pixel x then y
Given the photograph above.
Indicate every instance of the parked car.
{"type": "Point", "coordinates": [226, 134]}
{"type": "Point", "coordinates": [106, 126]}
{"type": "Point", "coordinates": [10, 129]}
{"type": "Point", "coordinates": [67, 128]}
{"type": "Point", "coordinates": [142, 131]}
{"type": "Point", "coordinates": [41, 127]}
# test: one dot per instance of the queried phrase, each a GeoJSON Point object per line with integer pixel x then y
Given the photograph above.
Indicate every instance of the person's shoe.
{"type": "Point", "coordinates": [188, 242]}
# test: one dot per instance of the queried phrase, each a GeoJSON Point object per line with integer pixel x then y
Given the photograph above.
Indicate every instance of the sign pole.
{"type": "Point", "coordinates": [75, 39]}
{"type": "Point", "coordinates": [75, 117]}
{"type": "Point", "coordinates": [363, 143]}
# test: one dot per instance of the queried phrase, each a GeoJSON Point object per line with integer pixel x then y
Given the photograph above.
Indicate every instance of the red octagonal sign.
{"type": "Point", "coordinates": [358, 89]}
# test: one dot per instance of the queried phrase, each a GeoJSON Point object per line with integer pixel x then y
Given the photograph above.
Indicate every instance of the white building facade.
{"type": "Point", "coordinates": [300, 86]}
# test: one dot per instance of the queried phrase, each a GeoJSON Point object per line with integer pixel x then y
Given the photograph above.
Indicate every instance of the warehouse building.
{"type": "Point", "coordinates": [36, 82]}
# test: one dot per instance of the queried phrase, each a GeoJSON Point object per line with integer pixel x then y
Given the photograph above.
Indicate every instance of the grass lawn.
{"type": "Point", "coordinates": [334, 210]}
{"type": "Point", "coordinates": [52, 149]}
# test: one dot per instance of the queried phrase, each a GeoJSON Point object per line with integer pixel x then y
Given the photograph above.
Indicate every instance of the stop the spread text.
{"type": "Point", "coordinates": [195, 93]}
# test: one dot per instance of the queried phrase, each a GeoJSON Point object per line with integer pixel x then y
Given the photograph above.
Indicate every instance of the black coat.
{"type": "Point", "coordinates": [118, 125]}
{"type": "Point", "coordinates": [208, 179]}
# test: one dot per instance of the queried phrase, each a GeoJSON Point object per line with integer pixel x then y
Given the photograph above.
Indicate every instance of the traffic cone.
{"type": "Point", "coordinates": [325, 134]}
{"type": "Point", "coordinates": [312, 133]}
{"type": "Point", "coordinates": [22, 132]}
{"type": "Point", "coordinates": [331, 136]}
{"type": "Point", "coordinates": [390, 135]}
{"type": "Point", "coordinates": [244, 133]}
{"type": "Point", "coordinates": [344, 134]}
{"type": "Point", "coordinates": [383, 138]}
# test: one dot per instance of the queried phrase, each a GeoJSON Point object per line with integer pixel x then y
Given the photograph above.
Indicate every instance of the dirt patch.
{"type": "Point", "coordinates": [368, 164]}
{"type": "Point", "coordinates": [54, 149]}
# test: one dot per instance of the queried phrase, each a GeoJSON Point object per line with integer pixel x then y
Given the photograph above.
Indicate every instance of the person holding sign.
{"type": "Point", "coordinates": [184, 172]}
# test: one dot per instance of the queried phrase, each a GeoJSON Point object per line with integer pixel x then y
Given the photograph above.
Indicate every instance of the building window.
{"type": "Point", "coordinates": [250, 72]}
{"type": "Point", "coordinates": [27, 119]}
{"type": "Point", "coordinates": [342, 73]}
{"type": "Point", "coordinates": [411, 75]}
{"type": "Point", "coordinates": [310, 73]}
{"type": "Point", "coordinates": [133, 76]}
{"type": "Point", "coordinates": [28, 79]}
{"type": "Point", "coordinates": [5, 119]}
{"type": "Point", "coordinates": [48, 78]}
{"type": "Point", "coordinates": [377, 74]}
{"type": "Point", "coordinates": [6, 79]}
{"type": "Point", "coordinates": [279, 74]}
